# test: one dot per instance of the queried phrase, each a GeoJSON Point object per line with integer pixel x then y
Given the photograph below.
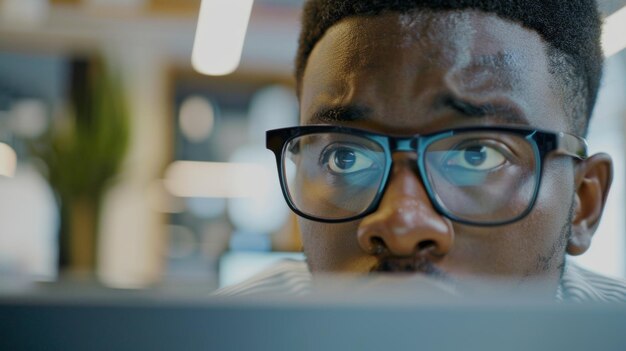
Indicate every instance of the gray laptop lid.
{"type": "Point", "coordinates": [141, 321]}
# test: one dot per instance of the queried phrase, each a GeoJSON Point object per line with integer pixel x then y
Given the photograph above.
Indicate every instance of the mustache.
{"type": "Point", "coordinates": [391, 264]}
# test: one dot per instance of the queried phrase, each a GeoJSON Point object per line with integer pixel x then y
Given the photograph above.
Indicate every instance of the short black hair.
{"type": "Point", "coordinates": [571, 28]}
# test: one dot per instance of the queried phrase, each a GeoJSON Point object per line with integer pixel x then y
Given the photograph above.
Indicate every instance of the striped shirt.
{"type": "Point", "coordinates": [581, 285]}
{"type": "Point", "coordinates": [293, 277]}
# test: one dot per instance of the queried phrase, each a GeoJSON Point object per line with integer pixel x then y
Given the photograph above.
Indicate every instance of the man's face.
{"type": "Point", "coordinates": [425, 72]}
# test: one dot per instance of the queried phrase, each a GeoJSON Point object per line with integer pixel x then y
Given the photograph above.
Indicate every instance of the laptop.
{"type": "Point", "coordinates": [99, 319]}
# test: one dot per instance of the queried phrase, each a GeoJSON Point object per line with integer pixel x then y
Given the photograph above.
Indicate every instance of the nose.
{"type": "Point", "coordinates": [405, 222]}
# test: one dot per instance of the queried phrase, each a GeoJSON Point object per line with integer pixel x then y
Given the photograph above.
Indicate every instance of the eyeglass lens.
{"type": "Point", "coordinates": [480, 177]}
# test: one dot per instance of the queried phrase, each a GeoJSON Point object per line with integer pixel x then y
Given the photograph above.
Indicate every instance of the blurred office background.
{"type": "Point", "coordinates": [120, 161]}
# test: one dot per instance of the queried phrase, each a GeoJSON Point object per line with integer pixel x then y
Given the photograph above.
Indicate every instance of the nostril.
{"type": "Point", "coordinates": [378, 245]}
{"type": "Point", "coordinates": [425, 245]}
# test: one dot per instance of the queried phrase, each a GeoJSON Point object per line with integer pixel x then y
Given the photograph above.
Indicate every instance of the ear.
{"type": "Point", "coordinates": [592, 178]}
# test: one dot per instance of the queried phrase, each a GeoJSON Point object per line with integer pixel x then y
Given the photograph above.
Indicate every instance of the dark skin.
{"type": "Point", "coordinates": [424, 72]}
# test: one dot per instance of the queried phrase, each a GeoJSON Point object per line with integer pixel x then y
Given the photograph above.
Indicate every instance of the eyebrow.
{"type": "Point", "coordinates": [345, 113]}
{"type": "Point", "coordinates": [353, 113]}
{"type": "Point", "coordinates": [504, 112]}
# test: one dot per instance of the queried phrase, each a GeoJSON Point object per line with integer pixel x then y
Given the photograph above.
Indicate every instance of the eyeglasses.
{"type": "Point", "coordinates": [483, 176]}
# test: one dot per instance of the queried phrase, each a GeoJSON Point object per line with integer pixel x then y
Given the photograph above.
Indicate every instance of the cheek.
{"type": "Point", "coordinates": [532, 246]}
{"type": "Point", "coordinates": [551, 214]}
{"type": "Point", "coordinates": [541, 235]}
{"type": "Point", "coordinates": [333, 247]}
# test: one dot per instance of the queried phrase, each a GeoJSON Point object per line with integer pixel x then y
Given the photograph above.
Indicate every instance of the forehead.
{"type": "Point", "coordinates": [423, 70]}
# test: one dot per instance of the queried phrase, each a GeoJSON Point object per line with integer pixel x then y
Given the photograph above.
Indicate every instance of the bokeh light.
{"type": "Point", "coordinates": [28, 118]}
{"type": "Point", "coordinates": [196, 118]}
{"type": "Point", "coordinates": [266, 211]}
{"type": "Point", "coordinates": [272, 107]}
{"type": "Point", "coordinates": [8, 160]}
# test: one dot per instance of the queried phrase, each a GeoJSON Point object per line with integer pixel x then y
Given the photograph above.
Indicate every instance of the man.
{"type": "Point", "coordinates": [450, 144]}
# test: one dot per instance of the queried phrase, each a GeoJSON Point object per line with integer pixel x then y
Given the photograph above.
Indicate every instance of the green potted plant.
{"type": "Point", "coordinates": [83, 152]}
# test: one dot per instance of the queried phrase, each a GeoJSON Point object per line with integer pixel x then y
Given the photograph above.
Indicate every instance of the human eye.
{"type": "Point", "coordinates": [344, 159]}
{"type": "Point", "coordinates": [478, 156]}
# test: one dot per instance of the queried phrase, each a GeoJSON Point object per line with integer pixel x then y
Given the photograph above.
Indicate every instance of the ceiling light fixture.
{"type": "Point", "coordinates": [220, 35]}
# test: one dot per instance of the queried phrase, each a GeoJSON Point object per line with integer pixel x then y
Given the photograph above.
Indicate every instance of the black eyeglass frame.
{"type": "Point", "coordinates": [543, 142]}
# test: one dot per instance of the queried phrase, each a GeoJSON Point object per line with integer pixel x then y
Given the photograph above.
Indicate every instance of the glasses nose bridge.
{"type": "Point", "coordinates": [410, 146]}
{"type": "Point", "coordinates": [403, 144]}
